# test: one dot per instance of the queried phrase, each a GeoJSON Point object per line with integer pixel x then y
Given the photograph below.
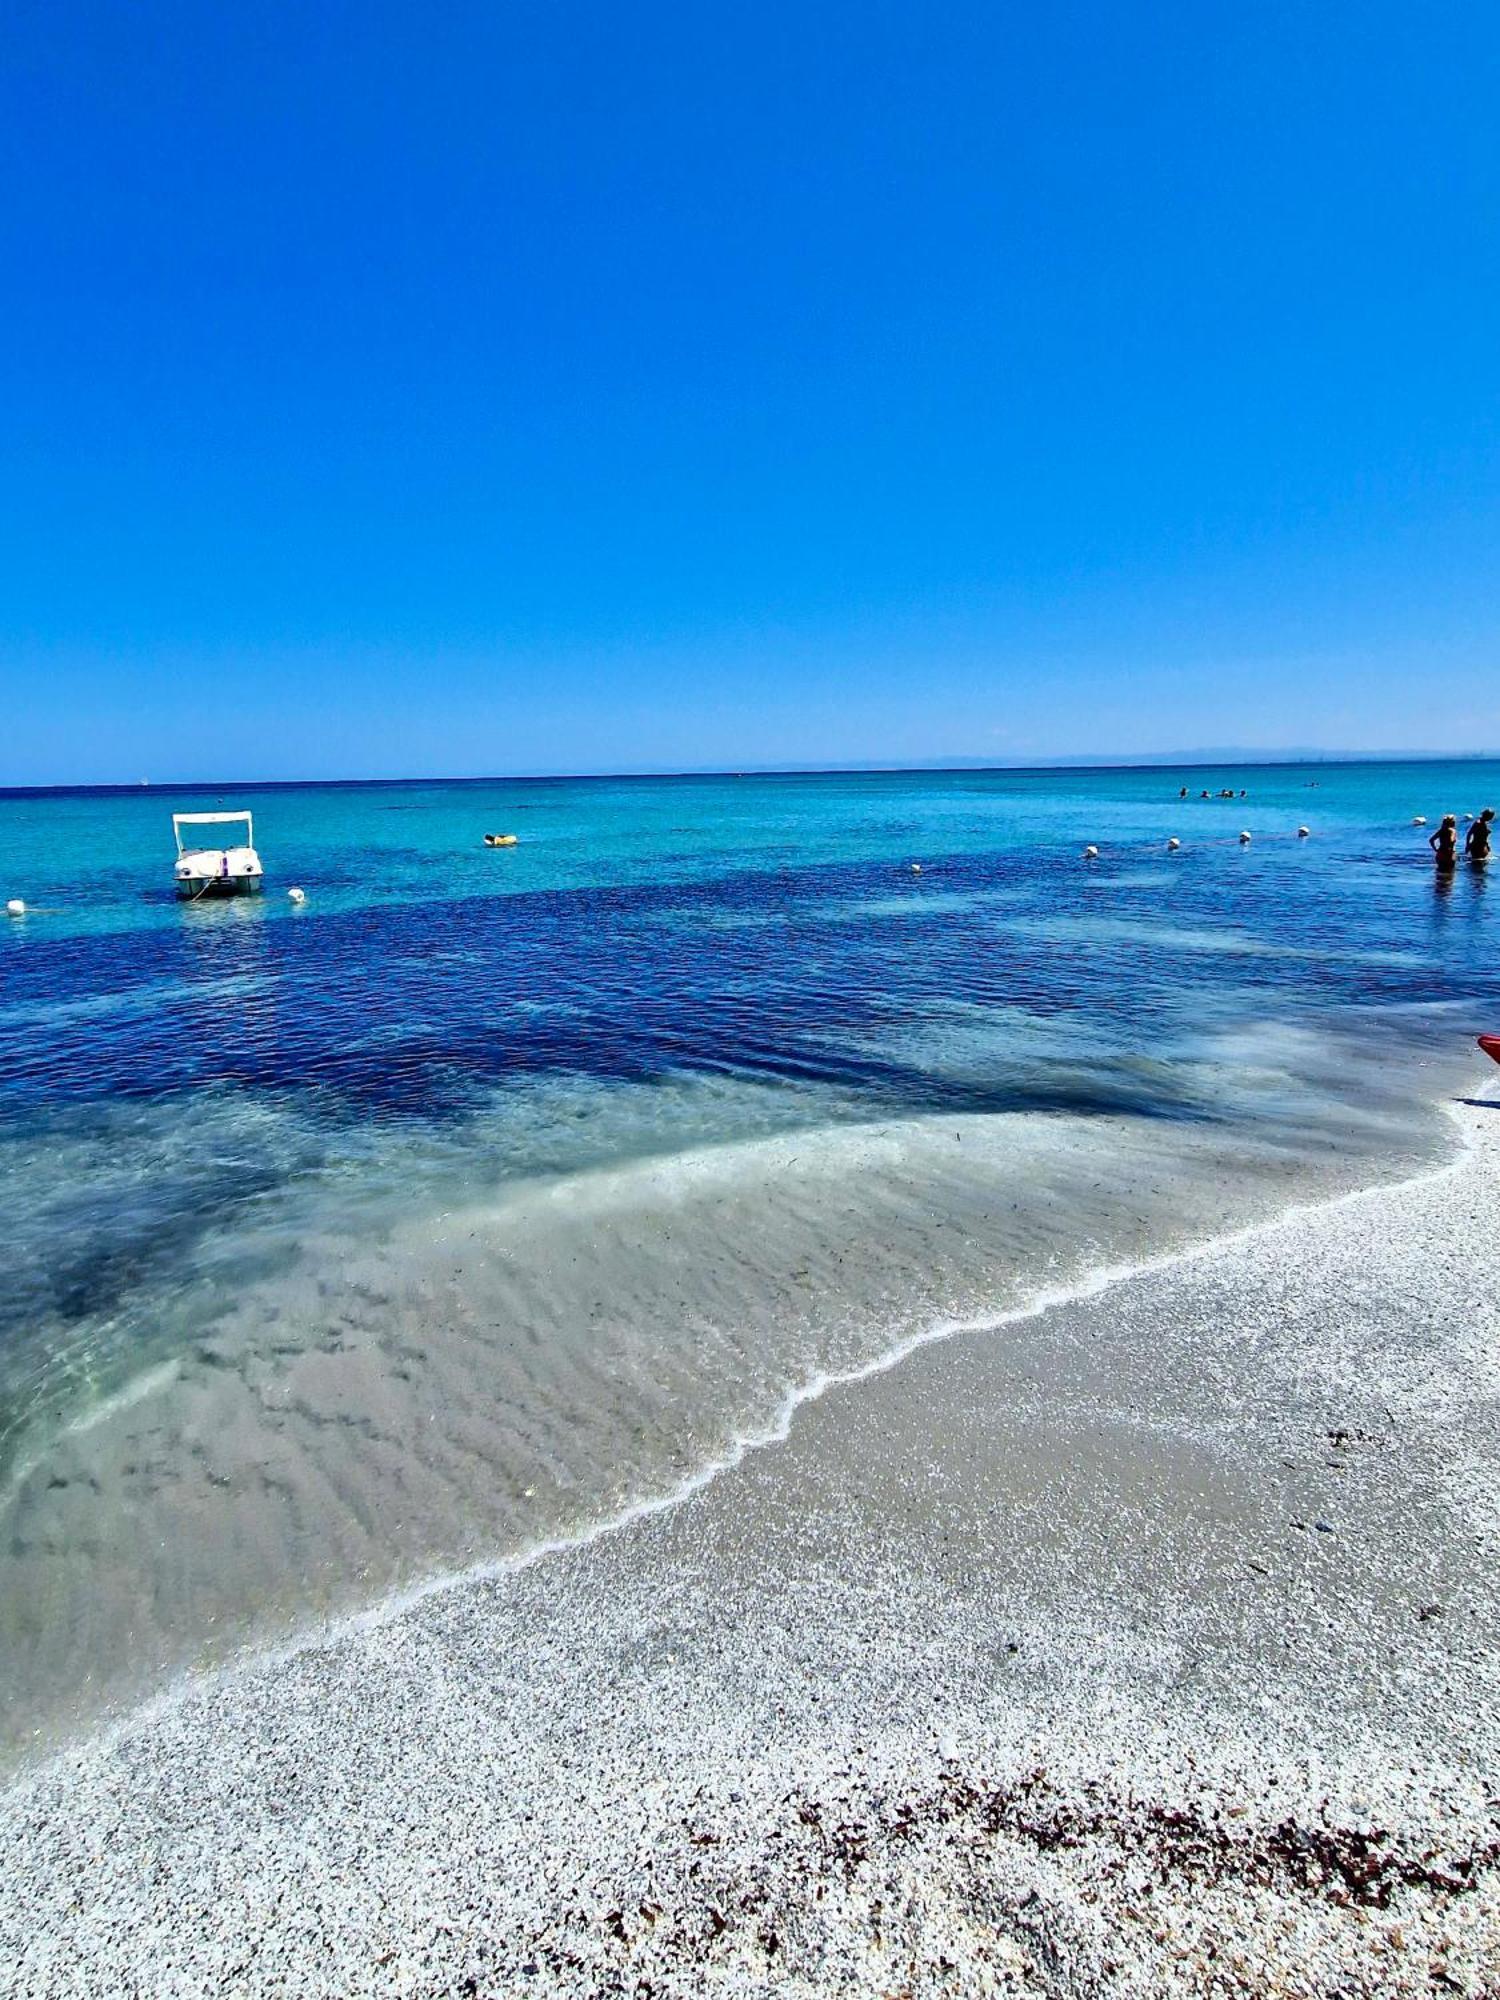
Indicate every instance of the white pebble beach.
{"type": "Point", "coordinates": [1147, 1646]}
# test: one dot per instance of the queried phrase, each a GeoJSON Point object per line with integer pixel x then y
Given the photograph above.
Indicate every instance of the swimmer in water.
{"type": "Point", "coordinates": [1477, 840]}
{"type": "Point", "coordinates": [1444, 843]}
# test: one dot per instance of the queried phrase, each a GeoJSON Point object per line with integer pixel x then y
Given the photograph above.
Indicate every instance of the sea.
{"type": "Point", "coordinates": [361, 1242]}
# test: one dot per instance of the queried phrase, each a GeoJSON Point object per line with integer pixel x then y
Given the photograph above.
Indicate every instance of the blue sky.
{"type": "Point", "coordinates": [518, 386]}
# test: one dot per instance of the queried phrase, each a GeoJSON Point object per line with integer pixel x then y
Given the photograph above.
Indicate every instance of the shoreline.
{"type": "Point", "coordinates": [891, 1622]}
{"type": "Point", "coordinates": [1091, 1283]}
{"type": "Point", "coordinates": [349, 1409]}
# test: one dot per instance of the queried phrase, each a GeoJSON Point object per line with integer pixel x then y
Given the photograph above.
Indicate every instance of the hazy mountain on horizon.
{"type": "Point", "coordinates": [1231, 755]}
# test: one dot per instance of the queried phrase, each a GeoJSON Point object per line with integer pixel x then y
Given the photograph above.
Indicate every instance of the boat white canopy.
{"type": "Point", "coordinates": [180, 820]}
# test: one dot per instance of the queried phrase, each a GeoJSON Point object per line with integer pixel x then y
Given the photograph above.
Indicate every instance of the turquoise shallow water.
{"type": "Point", "coordinates": [100, 860]}
{"type": "Point", "coordinates": [489, 1190]}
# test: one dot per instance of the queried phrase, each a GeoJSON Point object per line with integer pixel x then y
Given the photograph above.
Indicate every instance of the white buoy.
{"type": "Point", "coordinates": [1419, 819]}
{"type": "Point", "coordinates": [916, 868]}
{"type": "Point", "coordinates": [1173, 844]}
{"type": "Point", "coordinates": [295, 896]}
{"type": "Point", "coordinates": [15, 907]}
{"type": "Point", "coordinates": [1303, 832]}
{"type": "Point", "coordinates": [1244, 837]}
{"type": "Point", "coordinates": [1091, 853]}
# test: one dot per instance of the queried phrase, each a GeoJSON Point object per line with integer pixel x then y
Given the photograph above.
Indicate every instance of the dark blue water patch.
{"type": "Point", "coordinates": [858, 984]}
{"type": "Point", "coordinates": [416, 1009]}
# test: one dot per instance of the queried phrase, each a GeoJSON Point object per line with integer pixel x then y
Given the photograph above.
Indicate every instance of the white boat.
{"type": "Point", "coordinates": [216, 871]}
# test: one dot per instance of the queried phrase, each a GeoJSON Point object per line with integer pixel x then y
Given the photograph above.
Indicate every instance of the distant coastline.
{"type": "Point", "coordinates": [1164, 760]}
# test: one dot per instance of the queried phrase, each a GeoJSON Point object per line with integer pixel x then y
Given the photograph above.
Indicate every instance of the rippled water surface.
{"type": "Point", "coordinates": [490, 1189]}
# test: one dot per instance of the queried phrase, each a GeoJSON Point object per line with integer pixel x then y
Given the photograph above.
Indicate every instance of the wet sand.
{"type": "Point", "coordinates": [1147, 1645]}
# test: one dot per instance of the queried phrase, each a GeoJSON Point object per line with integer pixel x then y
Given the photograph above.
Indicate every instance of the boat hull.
{"type": "Point", "coordinates": [218, 871]}
{"type": "Point", "coordinates": [190, 888]}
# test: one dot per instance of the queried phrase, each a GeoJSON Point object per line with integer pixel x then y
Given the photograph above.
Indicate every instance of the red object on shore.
{"type": "Point", "coordinates": [1490, 1044]}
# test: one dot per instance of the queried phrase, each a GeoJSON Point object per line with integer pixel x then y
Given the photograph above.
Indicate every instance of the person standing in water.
{"type": "Point", "coordinates": [1444, 843]}
{"type": "Point", "coordinates": [1477, 839]}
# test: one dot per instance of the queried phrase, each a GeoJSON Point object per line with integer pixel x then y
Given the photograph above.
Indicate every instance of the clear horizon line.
{"type": "Point", "coordinates": [1168, 760]}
